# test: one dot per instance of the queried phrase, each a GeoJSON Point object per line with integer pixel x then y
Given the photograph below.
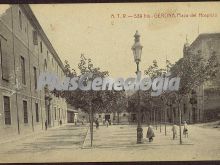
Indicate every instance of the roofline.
{"type": "Point", "coordinates": [29, 13]}
{"type": "Point", "coordinates": [203, 35]}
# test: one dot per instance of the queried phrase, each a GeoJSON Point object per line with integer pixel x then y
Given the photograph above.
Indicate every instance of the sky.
{"type": "Point", "coordinates": [90, 29]}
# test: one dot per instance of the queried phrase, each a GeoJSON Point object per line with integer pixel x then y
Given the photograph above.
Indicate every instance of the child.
{"type": "Point", "coordinates": [185, 129]}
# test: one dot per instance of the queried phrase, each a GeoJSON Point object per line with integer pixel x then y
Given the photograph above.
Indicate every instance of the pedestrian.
{"type": "Point", "coordinates": [174, 130]}
{"type": "Point", "coordinates": [97, 123]}
{"type": "Point", "coordinates": [45, 125]}
{"type": "Point", "coordinates": [110, 122]}
{"type": "Point", "coordinates": [150, 133]}
{"type": "Point", "coordinates": [185, 129]}
{"type": "Point", "coordinates": [106, 123]}
{"type": "Point", "coordinates": [82, 121]}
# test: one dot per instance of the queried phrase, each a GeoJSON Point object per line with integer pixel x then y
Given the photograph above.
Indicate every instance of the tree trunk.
{"type": "Point", "coordinates": [165, 121]}
{"type": "Point", "coordinates": [118, 118]}
{"type": "Point", "coordinates": [180, 122]}
{"type": "Point", "coordinates": [160, 119]}
{"type": "Point", "coordinates": [91, 124]}
{"type": "Point", "coordinates": [114, 118]}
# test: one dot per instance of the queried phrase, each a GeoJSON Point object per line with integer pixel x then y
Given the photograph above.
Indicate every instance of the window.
{"type": "Point", "coordinates": [35, 40]}
{"type": "Point", "coordinates": [52, 62]}
{"type": "Point", "coordinates": [100, 116]}
{"type": "Point", "coordinates": [37, 112]}
{"type": "Point", "coordinates": [4, 62]}
{"type": "Point", "coordinates": [124, 114]}
{"type": "Point", "coordinates": [20, 19]}
{"type": "Point", "coordinates": [55, 113]}
{"type": "Point", "coordinates": [7, 112]}
{"type": "Point", "coordinates": [48, 56]}
{"type": "Point", "coordinates": [45, 65]}
{"type": "Point", "coordinates": [35, 78]}
{"type": "Point", "coordinates": [41, 47]}
{"type": "Point", "coordinates": [25, 111]}
{"type": "Point", "coordinates": [23, 70]}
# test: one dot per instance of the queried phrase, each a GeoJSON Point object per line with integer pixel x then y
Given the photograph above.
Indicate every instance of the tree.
{"type": "Point", "coordinates": [193, 71]}
{"type": "Point", "coordinates": [153, 71]}
{"type": "Point", "coordinates": [89, 101]}
{"type": "Point", "coordinates": [146, 99]}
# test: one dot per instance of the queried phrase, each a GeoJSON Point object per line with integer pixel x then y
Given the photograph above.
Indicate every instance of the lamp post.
{"type": "Point", "coordinates": [137, 50]}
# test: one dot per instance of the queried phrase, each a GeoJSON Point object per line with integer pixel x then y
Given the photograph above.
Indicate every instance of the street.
{"type": "Point", "coordinates": [71, 143]}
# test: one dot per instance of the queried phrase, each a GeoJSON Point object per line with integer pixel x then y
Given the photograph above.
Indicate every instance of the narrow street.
{"type": "Point", "coordinates": [113, 143]}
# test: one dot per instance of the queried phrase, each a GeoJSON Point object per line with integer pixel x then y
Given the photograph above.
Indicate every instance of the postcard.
{"type": "Point", "coordinates": [109, 82]}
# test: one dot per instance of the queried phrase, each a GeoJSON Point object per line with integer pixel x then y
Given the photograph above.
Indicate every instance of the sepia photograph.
{"type": "Point", "coordinates": [110, 82]}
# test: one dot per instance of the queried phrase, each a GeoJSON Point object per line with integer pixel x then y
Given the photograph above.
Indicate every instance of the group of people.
{"type": "Point", "coordinates": [150, 132]}
{"type": "Point", "coordinates": [105, 122]}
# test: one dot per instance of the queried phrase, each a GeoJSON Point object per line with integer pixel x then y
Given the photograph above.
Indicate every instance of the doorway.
{"type": "Point", "coordinates": [133, 117]}
{"type": "Point", "coordinates": [107, 117]}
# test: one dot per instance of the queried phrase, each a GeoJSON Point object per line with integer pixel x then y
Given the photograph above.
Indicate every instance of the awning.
{"type": "Point", "coordinates": [72, 110]}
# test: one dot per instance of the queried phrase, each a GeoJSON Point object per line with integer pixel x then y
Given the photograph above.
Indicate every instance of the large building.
{"type": "Point", "coordinates": [207, 104]}
{"type": "Point", "coordinates": [25, 52]}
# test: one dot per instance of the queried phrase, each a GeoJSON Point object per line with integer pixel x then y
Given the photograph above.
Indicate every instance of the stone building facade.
{"type": "Point", "coordinates": [26, 52]}
{"type": "Point", "coordinates": [207, 96]}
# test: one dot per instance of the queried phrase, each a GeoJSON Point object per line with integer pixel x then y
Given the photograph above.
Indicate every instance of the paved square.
{"type": "Point", "coordinates": [71, 143]}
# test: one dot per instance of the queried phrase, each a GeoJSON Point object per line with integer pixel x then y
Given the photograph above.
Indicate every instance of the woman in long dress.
{"type": "Point", "coordinates": [150, 133]}
{"type": "Point", "coordinates": [174, 130]}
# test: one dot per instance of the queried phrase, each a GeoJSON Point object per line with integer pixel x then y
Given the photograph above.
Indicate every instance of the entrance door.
{"type": "Point", "coordinates": [133, 117]}
{"type": "Point", "coordinates": [107, 117]}
{"type": "Point", "coordinates": [194, 115]}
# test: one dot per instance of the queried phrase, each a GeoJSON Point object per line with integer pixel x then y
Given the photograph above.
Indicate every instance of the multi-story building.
{"type": "Point", "coordinates": [207, 97]}
{"type": "Point", "coordinates": [25, 53]}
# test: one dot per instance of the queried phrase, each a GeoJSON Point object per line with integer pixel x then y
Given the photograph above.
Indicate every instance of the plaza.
{"type": "Point", "coordinates": [114, 143]}
{"type": "Point", "coordinates": [92, 114]}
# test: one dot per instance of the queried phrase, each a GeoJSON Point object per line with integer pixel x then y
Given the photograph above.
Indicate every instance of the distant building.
{"type": "Point", "coordinates": [25, 52]}
{"type": "Point", "coordinates": [72, 114]}
{"type": "Point", "coordinates": [113, 118]}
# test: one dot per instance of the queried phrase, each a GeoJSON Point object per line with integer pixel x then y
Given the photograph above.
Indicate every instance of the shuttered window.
{"type": "Point", "coordinates": [41, 47]}
{"type": "Point", "coordinates": [23, 70]}
{"type": "Point", "coordinates": [37, 112]}
{"type": "Point", "coordinates": [35, 78]}
{"type": "Point", "coordinates": [35, 40]}
{"type": "Point", "coordinates": [25, 111]}
{"type": "Point", "coordinates": [20, 19]}
{"type": "Point", "coordinates": [7, 112]}
{"type": "Point", "coordinates": [4, 60]}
